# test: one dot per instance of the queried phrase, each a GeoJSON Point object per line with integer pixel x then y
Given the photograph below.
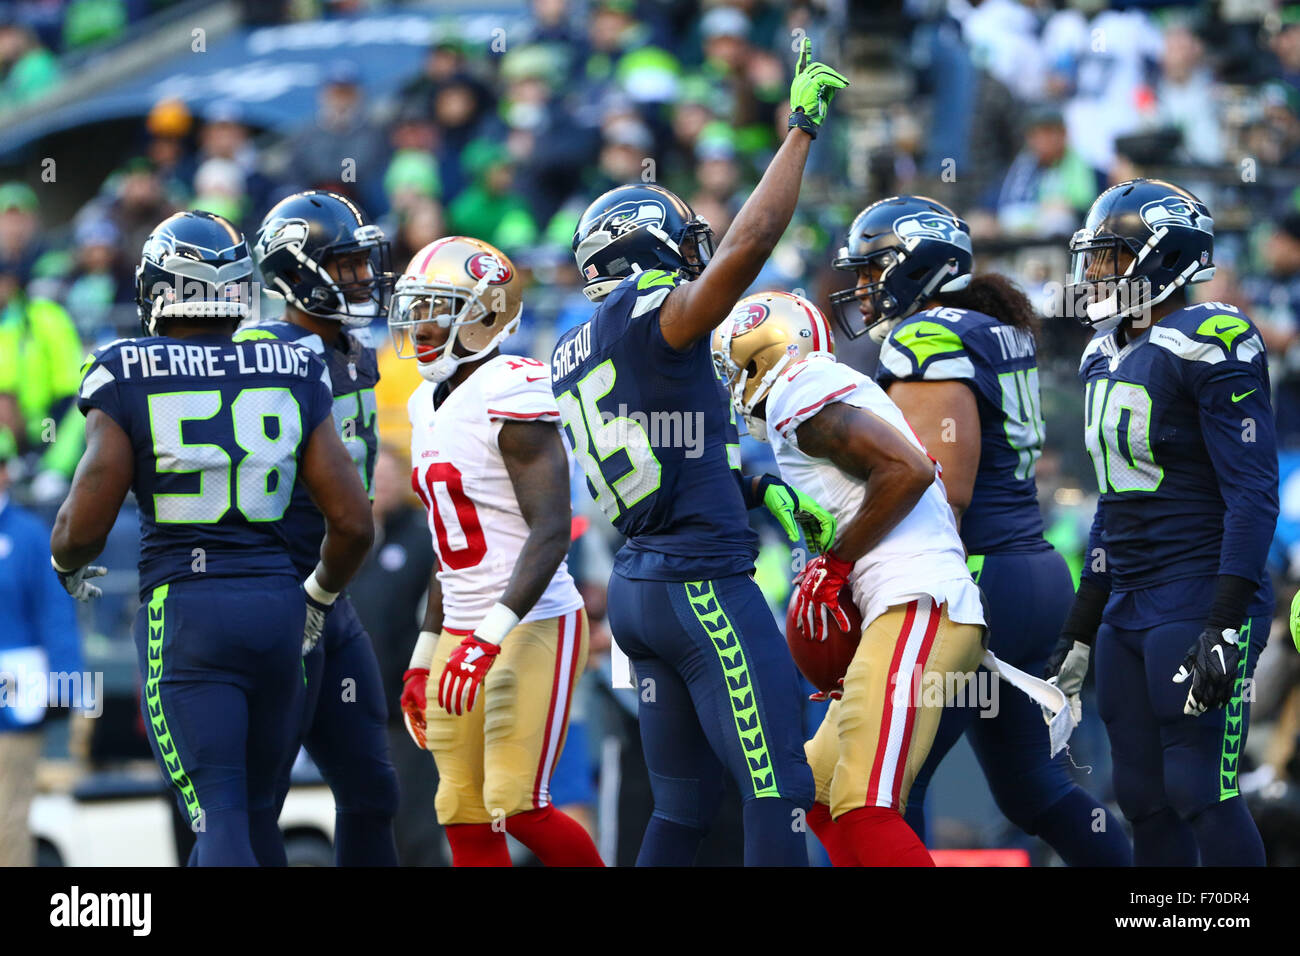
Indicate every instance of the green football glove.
{"type": "Point", "coordinates": [1295, 620]}
{"type": "Point", "coordinates": [797, 512]}
{"type": "Point", "coordinates": [811, 91]}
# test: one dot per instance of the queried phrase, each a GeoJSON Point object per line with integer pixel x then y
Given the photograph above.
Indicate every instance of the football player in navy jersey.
{"type": "Point", "coordinates": [958, 358]}
{"type": "Point", "coordinates": [1174, 599]}
{"type": "Point", "coordinates": [211, 436]}
{"type": "Point", "coordinates": [718, 687]}
{"type": "Point", "coordinates": [318, 250]}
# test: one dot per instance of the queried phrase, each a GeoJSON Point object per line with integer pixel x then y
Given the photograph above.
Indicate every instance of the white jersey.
{"type": "Point", "coordinates": [459, 474]}
{"type": "Point", "coordinates": [923, 554]}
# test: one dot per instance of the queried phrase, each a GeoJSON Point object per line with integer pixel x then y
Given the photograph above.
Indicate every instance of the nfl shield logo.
{"type": "Point", "coordinates": [352, 370]}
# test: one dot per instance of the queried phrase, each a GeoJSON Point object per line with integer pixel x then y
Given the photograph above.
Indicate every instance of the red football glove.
{"type": "Point", "coordinates": [414, 704]}
{"type": "Point", "coordinates": [820, 697]}
{"type": "Point", "coordinates": [464, 673]}
{"type": "Point", "coordinates": [819, 594]}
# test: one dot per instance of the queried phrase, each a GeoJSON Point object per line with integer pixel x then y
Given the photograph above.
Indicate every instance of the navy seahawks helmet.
{"type": "Point", "coordinates": [921, 248]}
{"type": "Point", "coordinates": [194, 265]}
{"type": "Point", "coordinates": [633, 229]}
{"type": "Point", "coordinates": [301, 234]}
{"type": "Point", "coordinates": [1168, 235]}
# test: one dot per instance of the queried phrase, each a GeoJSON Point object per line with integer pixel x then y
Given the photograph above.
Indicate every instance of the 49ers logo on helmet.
{"type": "Point", "coordinates": [485, 264]}
{"type": "Point", "coordinates": [753, 315]}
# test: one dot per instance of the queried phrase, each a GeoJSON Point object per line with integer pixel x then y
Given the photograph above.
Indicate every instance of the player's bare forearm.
{"type": "Point", "coordinates": [538, 466]}
{"type": "Point", "coordinates": [866, 447]}
{"type": "Point", "coordinates": [945, 417]}
{"type": "Point", "coordinates": [99, 486]}
{"type": "Point", "coordinates": [694, 309]}
{"type": "Point", "coordinates": [336, 489]}
{"type": "Point", "coordinates": [433, 606]}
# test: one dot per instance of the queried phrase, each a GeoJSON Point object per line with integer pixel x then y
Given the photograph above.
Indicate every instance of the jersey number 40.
{"type": "Point", "coordinates": [1117, 431]}
{"type": "Point", "coordinates": [266, 423]}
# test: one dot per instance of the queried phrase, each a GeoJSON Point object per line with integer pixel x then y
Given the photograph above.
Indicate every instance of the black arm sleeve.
{"type": "Point", "coordinates": [1085, 613]}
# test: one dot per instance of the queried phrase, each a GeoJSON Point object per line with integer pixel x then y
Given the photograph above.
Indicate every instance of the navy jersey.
{"type": "Point", "coordinates": [353, 371]}
{"type": "Point", "coordinates": [1000, 366]}
{"type": "Point", "coordinates": [1179, 424]}
{"type": "Point", "coordinates": [654, 431]}
{"type": "Point", "coordinates": [218, 431]}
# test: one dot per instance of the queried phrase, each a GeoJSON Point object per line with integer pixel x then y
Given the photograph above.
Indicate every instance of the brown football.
{"type": "Point", "coordinates": [825, 662]}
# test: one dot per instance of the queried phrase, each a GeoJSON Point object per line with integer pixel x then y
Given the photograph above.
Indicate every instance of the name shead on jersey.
{"type": "Point", "coordinates": [572, 353]}
{"type": "Point", "coordinates": [213, 361]}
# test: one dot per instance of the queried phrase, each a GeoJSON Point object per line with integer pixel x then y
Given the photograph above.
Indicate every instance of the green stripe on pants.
{"type": "Point", "coordinates": [1233, 723]}
{"type": "Point", "coordinates": [744, 705]}
{"type": "Point", "coordinates": [975, 565]}
{"type": "Point", "coordinates": [153, 706]}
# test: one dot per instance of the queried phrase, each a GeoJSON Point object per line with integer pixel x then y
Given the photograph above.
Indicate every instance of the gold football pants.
{"type": "Point", "coordinates": [872, 742]}
{"type": "Point", "coordinates": [497, 760]}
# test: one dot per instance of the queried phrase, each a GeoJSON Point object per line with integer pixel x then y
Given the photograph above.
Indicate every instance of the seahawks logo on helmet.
{"type": "Point", "coordinates": [633, 214]}
{"type": "Point", "coordinates": [932, 225]}
{"type": "Point", "coordinates": [1175, 211]}
{"type": "Point", "coordinates": [752, 317]}
{"type": "Point", "coordinates": [159, 245]}
{"type": "Point", "coordinates": [280, 233]}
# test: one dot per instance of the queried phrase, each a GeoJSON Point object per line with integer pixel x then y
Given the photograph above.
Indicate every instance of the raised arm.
{"type": "Point", "coordinates": [693, 309]}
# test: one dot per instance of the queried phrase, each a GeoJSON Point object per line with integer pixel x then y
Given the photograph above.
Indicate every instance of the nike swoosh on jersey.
{"type": "Point", "coordinates": [542, 378]}
{"type": "Point", "coordinates": [1237, 398]}
{"type": "Point", "coordinates": [1219, 331]}
{"type": "Point", "coordinates": [918, 334]}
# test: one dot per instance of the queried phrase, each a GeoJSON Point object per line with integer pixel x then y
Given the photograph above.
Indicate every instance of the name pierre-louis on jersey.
{"type": "Point", "coordinates": [213, 361]}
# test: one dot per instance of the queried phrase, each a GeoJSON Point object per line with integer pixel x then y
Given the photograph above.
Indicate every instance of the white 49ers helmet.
{"type": "Point", "coordinates": [764, 335]}
{"type": "Point", "coordinates": [463, 285]}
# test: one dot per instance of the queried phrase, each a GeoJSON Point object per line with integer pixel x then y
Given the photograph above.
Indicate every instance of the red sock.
{"type": "Point", "coordinates": [881, 837]}
{"type": "Point", "coordinates": [477, 844]}
{"type": "Point", "coordinates": [834, 836]}
{"type": "Point", "coordinates": [555, 837]}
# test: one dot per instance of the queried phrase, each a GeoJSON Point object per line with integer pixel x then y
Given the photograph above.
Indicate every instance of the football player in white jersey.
{"type": "Point", "coordinates": [505, 633]}
{"type": "Point", "coordinates": [838, 438]}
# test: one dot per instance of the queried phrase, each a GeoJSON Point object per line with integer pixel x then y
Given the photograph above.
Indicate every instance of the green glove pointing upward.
{"type": "Point", "coordinates": [811, 91]}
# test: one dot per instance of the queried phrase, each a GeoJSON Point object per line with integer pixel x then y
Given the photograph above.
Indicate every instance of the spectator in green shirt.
{"type": "Point", "coordinates": [30, 71]}
{"type": "Point", "coordinates": [40, 361]}
{"type": "Point", "coordinates": [490, 209]}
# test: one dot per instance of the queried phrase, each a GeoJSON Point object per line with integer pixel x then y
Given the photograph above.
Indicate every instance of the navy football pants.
{"type": "Point", "coordinates": [717, 689]}
{"type": "Point", "coordinates": [223, 690]}
{"type": "Point", "coordinates": [345, 733]}
{"type": "Point", "coordinates": [1028, 596]}
{"type": "Point", "coordinates": [1176, 776]}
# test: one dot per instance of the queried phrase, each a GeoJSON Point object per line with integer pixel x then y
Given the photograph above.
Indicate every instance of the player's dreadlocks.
{"type": "Point", "coordinates": [998, 296]}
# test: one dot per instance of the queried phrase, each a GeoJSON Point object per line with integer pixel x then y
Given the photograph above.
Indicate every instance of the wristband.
{"type": "Point", "coordinates": [1232, 595]}
{"type": "Point", "coordinates": [317, 593]}
{"type": "Point", "coordinates": [799, 119]}
{"type": "Point", "coordinates": [422, 656]}
{"type": "Point", "coordinates": [60, 568]}
{"type": "Point", "coordinates": [496, 624]}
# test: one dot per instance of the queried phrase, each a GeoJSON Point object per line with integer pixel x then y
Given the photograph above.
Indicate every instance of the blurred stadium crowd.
{"type": "Point", "coordinates": [1013, 112]}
